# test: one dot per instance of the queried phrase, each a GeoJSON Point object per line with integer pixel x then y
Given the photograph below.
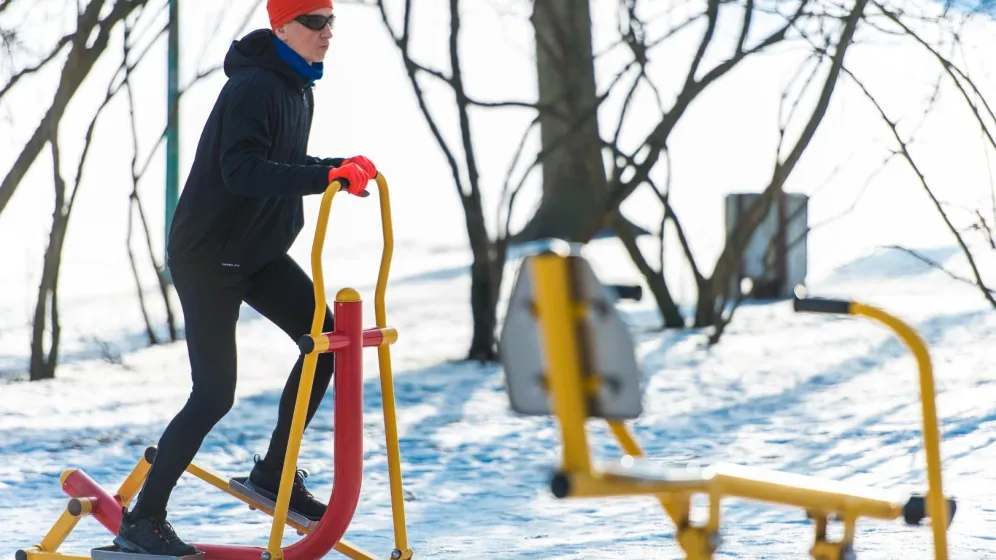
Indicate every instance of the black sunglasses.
{"type": "Point", "coordinates": [316, 22]}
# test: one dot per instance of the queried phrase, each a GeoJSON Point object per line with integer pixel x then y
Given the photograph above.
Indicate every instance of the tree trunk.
{"type": "Point", "coordinates": [574, 183]}
{"type": "Point", "coordinates": [655, 279]}
{"type": "Point", "coordinates": [42, 364]}
{"type": "Point", "coordinates": [485, 279]}
{"type": "Point", "coordinates": [706, 312]}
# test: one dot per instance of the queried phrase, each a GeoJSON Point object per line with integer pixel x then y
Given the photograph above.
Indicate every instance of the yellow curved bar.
{"type": "Point", "coordinates": [386, 374]}
{"type": "Point", "coordinates": [307, 379]}
{"type": "Point", "coordinates": [387, 253]}
{"type": "Point", "coordinates": [937, 506]}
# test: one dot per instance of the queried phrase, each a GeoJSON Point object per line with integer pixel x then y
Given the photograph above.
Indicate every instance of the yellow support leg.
{"type": "Point", "coordinates": [130, 486]}
{"type": "Point", "coordinates": [698, 542]}
{"type": "Point", "coordinates": [631, 448]}
{"type": "Point", "coordinates": [401, 550]}
{"type": "Point", "coordinates": [275, 543]}
{"type": "Point", "coordinates": [937, 506]}
{"type": "Point", "coordinates": [76, 509]}
{"type": "Point", "coordinates": [556, 314]}
{"type": "Point", "coordinates": [824, 549]}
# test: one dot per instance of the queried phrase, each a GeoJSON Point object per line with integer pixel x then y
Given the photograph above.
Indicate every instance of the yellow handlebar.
{"type": "Point", "coordinates": [387, 252]}
{"type": "Point", "coordinates": [319, 243]}
{"type": "Point", "coordinates": [937, 505]}
{"type": "Point", "coordinates": [383, 351]}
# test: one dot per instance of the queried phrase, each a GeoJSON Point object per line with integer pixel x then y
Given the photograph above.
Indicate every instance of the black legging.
{"type": "Point", "coordinates": [283, 293]}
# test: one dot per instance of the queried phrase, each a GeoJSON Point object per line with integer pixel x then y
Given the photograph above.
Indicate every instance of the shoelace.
{"type": "Point", "coordinates": [165, 531]}
{"type": "Point", "coordinates": [299, 478]}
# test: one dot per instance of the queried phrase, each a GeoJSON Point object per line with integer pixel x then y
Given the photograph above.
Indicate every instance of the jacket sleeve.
{"type": "Point", "coordinates": [246, 139]}
{"type": "Point", "coordinates": [327, 162]}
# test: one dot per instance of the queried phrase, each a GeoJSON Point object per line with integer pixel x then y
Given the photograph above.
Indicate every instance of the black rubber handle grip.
{"type": "Point", "coordinates": [915, 510]}
{"type": "Point", "coordinates": [344, 186]}
{"type": "Point", "coordinates": [624, 291]}
{"type": "Point", "coordinates": [822, 305]}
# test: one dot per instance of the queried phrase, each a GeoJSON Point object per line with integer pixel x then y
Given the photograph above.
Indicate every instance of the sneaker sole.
{"type": "Point", "coordinates": [244, 487]}
{"type": "Point", "coordinates": [123, 549]}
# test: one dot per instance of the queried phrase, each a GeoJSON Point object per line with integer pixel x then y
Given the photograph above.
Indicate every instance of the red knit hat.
{"type": "Point", "coordinates": [283, 11]}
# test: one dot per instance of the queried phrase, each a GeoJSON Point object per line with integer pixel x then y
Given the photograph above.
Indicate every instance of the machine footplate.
{"type": "Point", "coordinates": [114, 552]}
{"type": "Point", "coordinates": [243, 487]}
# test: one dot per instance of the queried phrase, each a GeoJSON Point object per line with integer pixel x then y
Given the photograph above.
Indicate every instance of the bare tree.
{"type": "Point", "coordinates": [86, 44]}
{"type": "Point", "coordinates": [42, 364]}
{"type": "Point", "coordinates": [489, 253]}
{"type": "Point", "coordinates": [826, 29]}
{"type": "Point", "coordinates": [966, 87]}
{"type": "Point", "coordinates": [811, 23]}
{"type": "Point", "coordinates": [719, 292]}
{"type": "Point", "coordinates": [46, 317]}
{"type": "Point", "coordinates": [78, 64]}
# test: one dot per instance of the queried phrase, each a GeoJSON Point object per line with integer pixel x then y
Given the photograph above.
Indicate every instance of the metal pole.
{"type": "Point", "coordinates": [173, 123]}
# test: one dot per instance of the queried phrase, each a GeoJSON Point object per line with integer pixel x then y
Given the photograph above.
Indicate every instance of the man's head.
{"type": "Point", "coordinates": [305, 25]}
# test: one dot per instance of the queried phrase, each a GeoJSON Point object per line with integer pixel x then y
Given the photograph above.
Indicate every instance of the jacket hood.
{"type": "Point", "coordinates": [256, 50]}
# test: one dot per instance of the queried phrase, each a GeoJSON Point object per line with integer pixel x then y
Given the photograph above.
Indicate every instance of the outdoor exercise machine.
{"type": "Point", "coordinates": [347, 340]}
{"type": "Point", "coordinates": [568, 354]}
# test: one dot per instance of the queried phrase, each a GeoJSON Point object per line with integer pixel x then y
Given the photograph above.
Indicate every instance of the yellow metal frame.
{"type": "Point", "coordinates": [129, 488]}
{"type": "Point", "coordinates": [402, 550]}
{"type": "Point", "coordinates": [558, 315]}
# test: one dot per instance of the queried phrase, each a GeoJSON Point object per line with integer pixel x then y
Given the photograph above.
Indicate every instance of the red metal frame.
{"type": "Point", "coordinates": [349, 338]}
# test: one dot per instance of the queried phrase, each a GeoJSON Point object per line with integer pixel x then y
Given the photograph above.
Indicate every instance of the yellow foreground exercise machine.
{"type": "Point", "coordinates": [568, 354]}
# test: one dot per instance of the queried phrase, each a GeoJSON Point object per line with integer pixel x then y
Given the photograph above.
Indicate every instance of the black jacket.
{"type": "Point", "coordinates": [242, 204]}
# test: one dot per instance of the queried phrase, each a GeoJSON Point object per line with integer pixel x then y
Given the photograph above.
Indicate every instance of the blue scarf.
{"type": "Point", "coordinates": [297, 63]}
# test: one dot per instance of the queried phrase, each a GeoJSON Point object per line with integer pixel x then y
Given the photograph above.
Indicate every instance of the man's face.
{"type": "Point", "coordinates": [312, 45]}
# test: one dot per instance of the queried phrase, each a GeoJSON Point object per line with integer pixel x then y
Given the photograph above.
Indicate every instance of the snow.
{"type": "Point", "coordinates": [808, 394]}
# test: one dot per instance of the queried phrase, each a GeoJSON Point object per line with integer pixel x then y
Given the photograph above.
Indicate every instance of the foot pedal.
{"type": "Point", "coordinates": [114, 552]}
{"type": "Point", "coordinates": [243, 487]}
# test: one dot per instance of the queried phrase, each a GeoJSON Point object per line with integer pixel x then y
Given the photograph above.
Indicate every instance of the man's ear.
{"type": "Point", "coordinates": [281, 31]}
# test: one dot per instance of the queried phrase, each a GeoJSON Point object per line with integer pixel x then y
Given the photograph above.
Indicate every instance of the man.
{"type": "Point", "coordinates": [239, 214]}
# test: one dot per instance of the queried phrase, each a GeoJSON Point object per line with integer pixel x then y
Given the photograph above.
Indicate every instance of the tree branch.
{"type": "Point", "coordinates": [904, 151]}
{"type": "Point", "coordinates": [411, 69]}
{"type": "Point", "coordinates": [934, 264]}
{"type": "Point", "coordinates": [657, 139]}
{"type": "Point", "coordinates": [511, 196]}
{"type": "Point", "coordinates": [150, 333]}
{"type": "Point", "coordinates": [956, 74]}
{"type": "Point", "coordinates": [65, 40]}
{"type": "Point", "coordinates": [78, 65]}
{"type": "Point", "coordinates": [461, 103]}
{"type": "Point", "coordinates": [737, 242]}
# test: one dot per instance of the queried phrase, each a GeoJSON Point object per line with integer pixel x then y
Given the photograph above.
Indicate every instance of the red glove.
{"type": "Point", "coordinates": [355, 177]}
{"type": "Point", "coordinates": [364, 164]}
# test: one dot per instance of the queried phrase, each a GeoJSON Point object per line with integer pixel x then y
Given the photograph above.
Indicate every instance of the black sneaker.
{"type": "Point", "coordinates": [150, 536]}
{"type": "Point", "coordinates": [267, 482]}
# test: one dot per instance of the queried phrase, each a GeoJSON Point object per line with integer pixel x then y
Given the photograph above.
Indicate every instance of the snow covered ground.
{"type": "Point", "coordinates": [835, 397]}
